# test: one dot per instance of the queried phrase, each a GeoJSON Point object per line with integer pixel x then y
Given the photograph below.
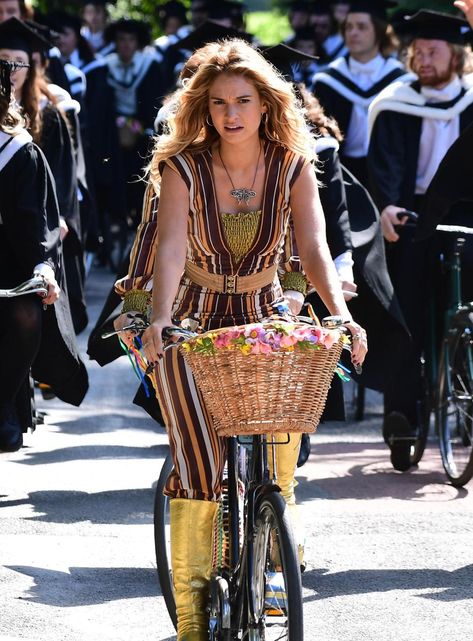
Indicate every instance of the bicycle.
{"type": "Point", "coordinates": [447, 370]}
{"type": "Point", "coordinates": [255, 587]}
{"type": "Point", "coordinates": [28, 415]}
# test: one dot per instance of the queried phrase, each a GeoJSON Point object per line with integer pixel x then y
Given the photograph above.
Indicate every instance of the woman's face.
{"type": "Point", "coordinates": [18, 77]}
{"type": "Point", "coordinates": [235, 108]}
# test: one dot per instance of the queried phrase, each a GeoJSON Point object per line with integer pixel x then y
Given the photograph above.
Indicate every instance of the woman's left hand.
{"type": "Point", "coordinates": [359, 346]}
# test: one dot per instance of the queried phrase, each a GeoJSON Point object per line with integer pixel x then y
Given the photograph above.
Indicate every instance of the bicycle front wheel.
{"type": "Point", "coordinates": [162, 540]}
{"type": "Point", "coordinates": [276, 590]}
{"type": "Point", "coordinates": [455, 405]}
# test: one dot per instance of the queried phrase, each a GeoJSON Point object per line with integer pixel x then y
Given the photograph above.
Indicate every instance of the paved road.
{"type": "Point", "coordinates": [389, 555]}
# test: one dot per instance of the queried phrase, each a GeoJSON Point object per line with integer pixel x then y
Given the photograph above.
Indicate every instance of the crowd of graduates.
{"type": "Point", "coordinates": [387, 98]}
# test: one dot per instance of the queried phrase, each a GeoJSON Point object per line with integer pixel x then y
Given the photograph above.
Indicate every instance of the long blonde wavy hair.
{"type": "Point", "coordinates": [187, 126]}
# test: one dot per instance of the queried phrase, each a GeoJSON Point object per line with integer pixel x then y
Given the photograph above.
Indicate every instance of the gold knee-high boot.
{"type": "Point", "coordinates": [286, 462]}
{"type": "Point", "coordinates": [191, 557]}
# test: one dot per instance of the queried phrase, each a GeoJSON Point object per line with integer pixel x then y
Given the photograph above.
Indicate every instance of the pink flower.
{"type": "Point", "coordinates": [222, 340]}
{"type": "Point", "coordinates": [288, 341]}
{"type": "Point", "coordinates": [329, 338]}
{"type": "Point", "coordinates": [255, 332]}
{"type": "Point", "coordinates": [260, 348]}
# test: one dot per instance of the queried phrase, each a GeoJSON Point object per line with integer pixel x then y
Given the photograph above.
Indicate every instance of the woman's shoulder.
{"type": "Point", "coordinates": [186, 162]}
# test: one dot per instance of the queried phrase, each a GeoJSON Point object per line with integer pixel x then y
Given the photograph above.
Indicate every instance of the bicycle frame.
{"type": "Point", "coordinates": [240, 578]}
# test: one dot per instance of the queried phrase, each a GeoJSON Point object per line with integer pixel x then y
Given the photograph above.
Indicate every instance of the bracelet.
{"type": "Point", "coordinates": [295, 281]}
{"type": "Point", "coordinates": [136, 300]}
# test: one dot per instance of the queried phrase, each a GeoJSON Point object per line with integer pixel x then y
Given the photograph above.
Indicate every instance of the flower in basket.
{"type": "Point", "coordinates": [264, 338]}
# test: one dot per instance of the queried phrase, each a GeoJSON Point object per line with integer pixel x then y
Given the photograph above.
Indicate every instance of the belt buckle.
{"type": "Point", "coordinates": [230, 284]}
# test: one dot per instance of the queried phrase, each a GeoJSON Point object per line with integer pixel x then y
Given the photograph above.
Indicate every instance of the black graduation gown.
{"type": "Point", "coordinates": [101, 142]}
{"type": "Point", "coordinates": [337, 93]}
{"type": "Point", "coordinates": [109, 166]}
{"type": "Point", "coordinates": [376, 308]}
{"type": "Point", "coordinates": [394, 151]}
{"type": "Point", "coordinates": [392, 162]}
{"type": "Point", "coordinates": [29, 235]}
{"type": "Point", "coordinates": [58, 147]}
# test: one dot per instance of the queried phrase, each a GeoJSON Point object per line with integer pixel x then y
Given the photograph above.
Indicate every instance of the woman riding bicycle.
{"type": "Point", "coordinates": [233, 169]}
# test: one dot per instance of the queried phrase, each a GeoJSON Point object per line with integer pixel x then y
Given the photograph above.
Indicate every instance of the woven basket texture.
{"type": "Point", "coordinates": [264, 393]}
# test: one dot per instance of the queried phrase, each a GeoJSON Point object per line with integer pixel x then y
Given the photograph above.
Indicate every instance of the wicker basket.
{"type": "Point", "coordinates": [262, 393]}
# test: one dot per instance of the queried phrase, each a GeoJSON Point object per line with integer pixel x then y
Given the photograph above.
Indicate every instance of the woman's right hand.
{"type": "Point", "coordinates": [152, 339]}
{"type": "Point", "coordinates": [122, 321]}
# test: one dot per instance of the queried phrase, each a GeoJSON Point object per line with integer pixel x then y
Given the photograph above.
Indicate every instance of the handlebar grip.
{"type": "Point", "coordinates": [412, 216]}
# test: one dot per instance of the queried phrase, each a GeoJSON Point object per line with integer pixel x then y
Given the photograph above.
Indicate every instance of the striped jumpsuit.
{"type": "Point", "coordinates": [239, 244]}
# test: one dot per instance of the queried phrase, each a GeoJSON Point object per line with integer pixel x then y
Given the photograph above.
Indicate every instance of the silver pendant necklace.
{"type": "Point", "coordinates": [241, 194]}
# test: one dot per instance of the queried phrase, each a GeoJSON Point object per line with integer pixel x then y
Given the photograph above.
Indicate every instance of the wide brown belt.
{"type": "Point", "coordinates": [230, 284]}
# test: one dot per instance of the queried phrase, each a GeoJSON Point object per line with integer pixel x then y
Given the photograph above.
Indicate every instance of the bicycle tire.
{"type": "Point", "coordinates": [277, 608]}
{"type": "Point", "coordinates": [454, 412]}
{"type": "Point", "coordinates": [162, 540]}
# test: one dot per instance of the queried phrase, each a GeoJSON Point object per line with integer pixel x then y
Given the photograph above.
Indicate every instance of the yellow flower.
{"type": "Point", "coordinates": [245, 349]}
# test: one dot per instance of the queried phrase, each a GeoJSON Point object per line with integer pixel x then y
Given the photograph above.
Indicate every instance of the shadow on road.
{"type": "Point", "coordinates": [85, 422]}
{"type": "Point", "coordinates": [88, 586]}
{"type": "Point", "coordinates": [456, 585]}
{"type": "Point", "coordinates": [363, 471]}
{"type": "Point", "coordinates": [124, 507]}
{"type": "Point", "coordinates": [95, 453]}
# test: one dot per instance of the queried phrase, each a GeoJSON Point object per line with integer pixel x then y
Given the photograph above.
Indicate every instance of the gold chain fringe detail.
{"type": "Point", "coordinates": [136, 300]}
{"type": "Point", "coordinates": [295, 281]}
{"type": "Point", "coordinates": [240, 231]}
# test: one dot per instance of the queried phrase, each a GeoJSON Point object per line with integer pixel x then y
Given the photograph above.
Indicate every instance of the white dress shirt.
{"type": "Point", "coordinates": [437, 136]}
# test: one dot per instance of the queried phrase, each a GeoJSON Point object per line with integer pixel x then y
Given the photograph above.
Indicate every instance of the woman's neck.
{"type": "Point", "coordinates": [238, 156]}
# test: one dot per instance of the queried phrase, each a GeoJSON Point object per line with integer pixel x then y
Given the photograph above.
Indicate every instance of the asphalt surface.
{"type": "Point", "coordinates": [389, 554]}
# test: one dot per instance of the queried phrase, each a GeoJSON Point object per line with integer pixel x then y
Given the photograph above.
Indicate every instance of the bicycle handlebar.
{"type": "Point", "coordinates": [35, 285]}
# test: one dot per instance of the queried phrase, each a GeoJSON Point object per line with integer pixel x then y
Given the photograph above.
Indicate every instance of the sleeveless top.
{"type": "Point", "coordinates": [240, 244]}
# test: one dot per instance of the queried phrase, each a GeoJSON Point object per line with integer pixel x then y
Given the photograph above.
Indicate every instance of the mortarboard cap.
{"type": "Point", "coordinates": [376, 8]}
{"type": "Point", "coordinates": [299, 5]}
{"type": "Point", "coordinates": [172, 8]}
{"type": "Point", "coordinates": [320, 8]}
{"type": "Point", "coordinates": [282, 56]}
{"type": "Point", "coordinates": [209, 32]}
{"type": "Point", "coordinates": [60, 20]}
{"type": "Point", "coordinates": [127, 25]}
{"type": "Point", "coordinates": [225, 9]}
{"type": "Point", "coordinates": [15, 34]}
{"type": "Point", "coordinates": [433, 25]}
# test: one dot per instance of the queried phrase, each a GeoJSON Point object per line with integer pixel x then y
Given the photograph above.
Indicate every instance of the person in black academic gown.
{"type": "Point", "coordinates": [412, 127]}
{"type": "Point", "coordinates": [29, 243]}
{"type": "Point", "coordinates": [349, 85]}
{"type": "Point", "coordinates": [49, 128]}
{"type": "Point", "coordinates": [124, 92]}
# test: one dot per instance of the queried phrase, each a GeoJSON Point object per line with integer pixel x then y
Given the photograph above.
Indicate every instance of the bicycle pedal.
{"type": "Point", "coordinates": [46, 391]}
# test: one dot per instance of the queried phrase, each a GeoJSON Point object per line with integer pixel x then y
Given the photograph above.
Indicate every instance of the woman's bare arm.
{"type": "Point", "coordinates": [170, 260]}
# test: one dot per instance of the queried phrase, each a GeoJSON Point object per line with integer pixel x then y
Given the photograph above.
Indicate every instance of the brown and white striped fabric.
{"type": "Point", "coordinates": [208, 249]}
{"type": "Point", "coordinates": [198, 453]}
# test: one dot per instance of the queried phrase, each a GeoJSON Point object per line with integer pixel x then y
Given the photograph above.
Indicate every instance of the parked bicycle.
{"type": "Point", "coordinates": [447, 366]}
